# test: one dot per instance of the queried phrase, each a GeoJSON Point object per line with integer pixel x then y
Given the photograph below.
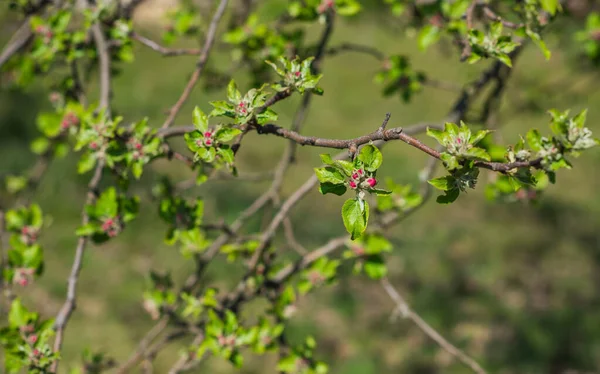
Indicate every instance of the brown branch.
{"type": "Point", "coordinates": [406, 312]}
{"type": "Point", "coordinates": [163, 50]}
{"type": "Point", "coordinates": [19, 40]}
{"type": "Point", "coordinates": [202, 60]}
{"type": "Point", "coordinates": [70, 304]}
{"type": "Point", "coordinates": [352, 47]}
{"type": "Point", "coordinates": [101, 48]}
{"type": "Point", "coordinates": [143, 346]}
{"type": "Point", "coordinates": [494, 17]}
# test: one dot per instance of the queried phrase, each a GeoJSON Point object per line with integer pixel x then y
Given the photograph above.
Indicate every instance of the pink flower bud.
{"type": "Point", "coordinates": [138, 146]}
{"type": "Point", "coordinates": [372, 182]}
{"type": "Point", "coordinates": [352, 184]}
{"type": "Point", "coordinates": [355, 176]}
{"type": "Point", "coordinates": [33, 339]}
{"type": "Point", "coordinates": [208, 134]}
{"type": "Point", "coordinates": [298, 74]}
{"type": "Point", "coordinates": [94, 145]}
{"type": "Point", "coordinates": [208, 142]}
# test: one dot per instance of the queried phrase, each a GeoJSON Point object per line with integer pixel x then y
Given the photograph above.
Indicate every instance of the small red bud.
{"type": "Point", "coordinates": [352, 184]}
{"type": "Point", "coordinates": [94, 145]}
{"type": "Point", "coordinates": [138, 146]}
{"type": "Point", "coordinates": [372, 182]}
{"type": "Point", "coordinates": [208, 142]}
{"type": "Point", "coordinates": [33, 339]}
{"type": "Point", "coordinates": [355, 176]}
{"type": "Point", "coordinates": [208, 134]}
{"type": "Point", "coordinates": [36, 352]}
{"type": "Point", "coordinates": [298, 74]}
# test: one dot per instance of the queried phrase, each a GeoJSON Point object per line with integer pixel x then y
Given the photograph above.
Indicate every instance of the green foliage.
{"type": "Point", "coordinates": [108, 216]}
{"type": "Point", "coordinates": [118, 148]}
{"type": "Point", "coordinates": [358, 175]}
{"type": "Point", "coordinates": [26, 341]}
{"type": "Point", "coordinates": [296, 76]}
{"type": "Point", "coordinates": [398, 76]}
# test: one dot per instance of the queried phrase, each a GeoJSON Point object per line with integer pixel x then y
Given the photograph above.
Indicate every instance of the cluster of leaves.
{"type": "Point", "coordinates": [25, 341]}
{"type": "Point", "coordinates": [367, 253]}
{"type": "Point", "coordinates": [402, 198]}
{"type": "Point", "coordinates": [183, 20]}
{"type": "Point", "coordinates": [226, 336]}
{"type": "Point", "coordinates": [493, 45]}
{"type": "Point", "coordinates": [459, 156]}
{"type": "Point", "coordinates": [256, 41]}
{"type": "Point", "coordinates": [209, 143]}
{"type": "Point", "coordinates": [296, 76]}
{"type": "Point", "coordinates": [444, 17]}
{"type": "Point", "coordinates": [311, 10]}
{"type": "Point", "coordinates": [160, 295]}
{"type": "Point", "coordinates": [399, 77]}
{"type": "Point", "coordinates": [358, 175]}
{"type": "Point", "coordinates": [108, 216]}
{"type": "Point", "coordinates": [590, 37]}
{"type": "Point", "coordinates": [184, 219]}
{"type": "Point", "coordinates": [25, 255]}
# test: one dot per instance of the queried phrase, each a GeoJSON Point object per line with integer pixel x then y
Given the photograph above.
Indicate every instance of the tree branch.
{"type": "Point", "coordinates": [210, 38]}
{"type": "Point", "coordinates": [405, 311]}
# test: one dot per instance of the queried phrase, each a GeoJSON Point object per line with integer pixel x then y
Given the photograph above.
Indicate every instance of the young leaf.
{"type": "Point", "coordinates": [200, 120]}
{"type": "Point", "coordinates": [355, 213]}
{"type": "Point", "coordinates": [371, 157]}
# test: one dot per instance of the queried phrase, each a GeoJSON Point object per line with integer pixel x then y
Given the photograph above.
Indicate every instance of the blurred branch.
{"type": "Point", "coordinates": [163, 50]}
{"type": "Point", "coordinates": [143, 345]}
{"type": "Point", "coordinates": [359, 48]}
{"type": "Point", "coordinates": [210, 38]}
{"type": "Point", "coordinates": [404, 310]}
{"type": "Point", "coordinates": [69, 306]}
{"type": "Point", "coordinates": [19, 40]}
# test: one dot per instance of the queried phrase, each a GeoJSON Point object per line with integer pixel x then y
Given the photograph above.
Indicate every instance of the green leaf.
{"type": "Point", "coordinates": [478, 153]}
{"type": "Point", "coordinates": [15, 183]}
{"type": "Point", "coordinates": [326, 158]}
{"type": "Point", "coordinates": [268, 115]}
{"type": "Point", "coordinates": [371, 157]}
{"type": "Point", "coordinates": [443, 183]}
{"type": "Point", "coordinates": [438, 135]}
{"type": "Point", "coordinates": [87, 230]}
{"type": "Point", "coordinates": [227, 154]}
{"type": "Point", "coordinates": [233, 94]}
{"type": "Point", "coordinates": [200, 120]}
{"type": "Point", "coordinates": [226, 134]}
{"type": "Point", "coordinates": [336, 189]}
{"type": "Point", "coordinates": [330, 174]}
{"type": "Point", "coordinates": [375, 267]}
{"type": "Point", "coordinates": [449, 197]}
{"type": "Point", "coordinates": [40, 145]}
{"type": "Point", "coordinates": [86, 162]}
{"type": "Point", "coordinates": [355, 213]}
{"type": "Point", "coordinates": [428, 36]}
{"type": "Point", "coordinates": [534, 139]}
{"type": "Point", "coordinates": [550, 6]}
{"type": "Point", "coordinates": [18, 315]}
{"type": "Point", "coordinates": [505, 59]}
{"type": "Point", "coordinates": [479, 135]}
{"type": "Point", "coordinates": [449, 160]}
{"type": "Point", "coordinates": [349, 9]}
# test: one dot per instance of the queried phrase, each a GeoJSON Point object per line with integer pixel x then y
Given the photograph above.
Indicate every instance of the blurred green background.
{"type": "Point", "coordinates": [516, 286]}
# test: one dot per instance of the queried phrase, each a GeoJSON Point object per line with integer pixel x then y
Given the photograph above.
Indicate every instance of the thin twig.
{"type": "Point", "coordinates": [154, 332]}
{"type": "Point", "coordinates": [210, 38]}
{"type": "Point", "coordinates": [406, 312]}
{"type": "Point", "coordinates": [102, 50]}
{"type": "Point", "coordinates": [70, 304]}
{"type": "Point", "coordinates": [164, 50]}
{"type": "Point", "coordinates": [19, 40]}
